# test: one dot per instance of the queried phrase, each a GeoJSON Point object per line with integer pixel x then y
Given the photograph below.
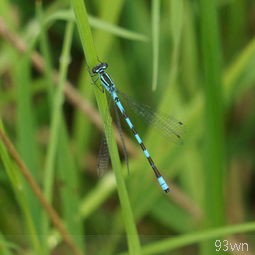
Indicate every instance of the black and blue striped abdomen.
{"type": "Point", "coordinates": [161, 180]}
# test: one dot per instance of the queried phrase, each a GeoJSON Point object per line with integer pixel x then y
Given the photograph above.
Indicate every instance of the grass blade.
{"type": "Point", "coordinates": [91, 57]}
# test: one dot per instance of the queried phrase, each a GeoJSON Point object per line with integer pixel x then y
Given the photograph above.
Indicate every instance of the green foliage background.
{"type": "Point", "coordinates": [190, 59]}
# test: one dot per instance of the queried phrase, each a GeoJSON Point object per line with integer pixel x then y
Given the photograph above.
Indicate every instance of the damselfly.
{"type": "Point", "coordinates": [170, 126]}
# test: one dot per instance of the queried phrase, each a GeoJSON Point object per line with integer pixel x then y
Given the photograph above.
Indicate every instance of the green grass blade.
{"type": "Point", "coordinates": [26, 135]}
{"type": "Point", "coordinates": [20, 192]}
{"type": "Point", "coordinates": [91, 57]}
{"type": "Point", "coordinates": [214, 111]}
{"type": "Point", "coordinates": [155, 41]}
{"type": "Point", "coordinates": [57, 113]}
{"type": "Point", "coordinates": [97, 196]}
{"type": "Point", "coordinates": [56, 121]}
{"type": "Point", "coordinates": [176, 19]}
{"type": "Point", "coordinates": [97, 24]}
{"type": "Point", "coordinates": [197, 237]}
{"type": "Point", "coordinates": [67, 176]}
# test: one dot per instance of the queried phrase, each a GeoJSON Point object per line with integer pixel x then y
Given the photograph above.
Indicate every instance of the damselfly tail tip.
{"type": "Point", "coordinates": [167, 190]}
{"type": "Point", "coordinates": [163, 184]}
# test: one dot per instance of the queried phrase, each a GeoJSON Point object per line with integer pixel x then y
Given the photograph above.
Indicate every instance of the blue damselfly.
{"type": "Point", "coordinates": [169, 126]}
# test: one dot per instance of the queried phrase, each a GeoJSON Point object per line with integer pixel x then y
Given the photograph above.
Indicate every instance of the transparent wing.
{"type": "Point", "coordinates": [103, 157]}
{"type": "Point", "coordinates": [118, 124]}
{"type": "Point", "coordinates": [168, 126]}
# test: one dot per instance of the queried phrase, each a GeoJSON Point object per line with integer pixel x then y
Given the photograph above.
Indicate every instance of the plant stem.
{"type": "Point", "coordinates": [91, 58]}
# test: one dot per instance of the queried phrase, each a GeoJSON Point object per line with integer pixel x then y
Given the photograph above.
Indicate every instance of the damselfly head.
{"type": "Point", "coordinates": [99, 68]}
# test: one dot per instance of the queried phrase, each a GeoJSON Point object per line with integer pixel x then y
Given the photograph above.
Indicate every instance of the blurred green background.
{"type": "Point", "coordinates": [193, 60]}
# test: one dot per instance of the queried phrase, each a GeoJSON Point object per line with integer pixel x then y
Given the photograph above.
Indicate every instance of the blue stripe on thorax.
{"type": "Point", "coordinates": [107, 82]}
